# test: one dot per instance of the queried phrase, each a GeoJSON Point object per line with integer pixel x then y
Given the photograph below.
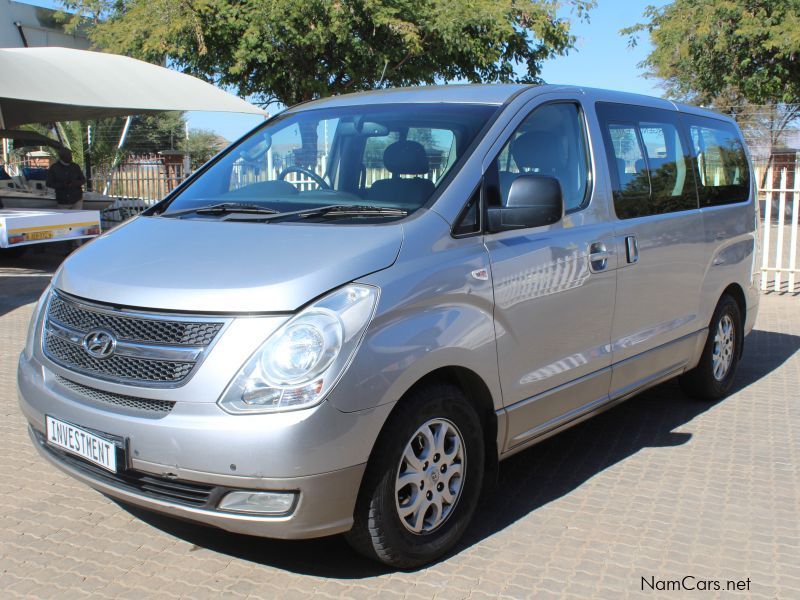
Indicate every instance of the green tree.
{"type": "Point", "coordinates": [740, 56]}
{"type": "Point", "coordinates": [704, 48]}
{"type": "Point", "coordinates": [203, 145]}
{"type": "Point", "coordinates": [291, 51]}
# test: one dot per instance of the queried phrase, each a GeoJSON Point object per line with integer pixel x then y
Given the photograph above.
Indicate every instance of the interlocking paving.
{"type": "Point", "coordinates": [660, 487]}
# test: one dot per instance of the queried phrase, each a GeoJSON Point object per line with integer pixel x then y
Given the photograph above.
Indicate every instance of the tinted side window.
{"type": "Point", "coordinates": [650, 161]}
{"type": "Point", "coordinates": [723, 172]}
{"type": "Point", "coordinates": [633, 187]}
{"type": "Point", "coordinates": [550, 141]}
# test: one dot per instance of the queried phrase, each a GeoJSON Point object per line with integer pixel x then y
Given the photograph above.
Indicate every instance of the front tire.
{"type": "Point", "coordinates": [712, 378]}
{"type": "Point", "coordinates": [423, 481]}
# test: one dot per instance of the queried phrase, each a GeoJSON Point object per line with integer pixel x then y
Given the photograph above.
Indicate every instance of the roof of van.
{"type": "Point", "coordinates": [458, 93]}
{"type": "Point", "coordinates": [496, 94]}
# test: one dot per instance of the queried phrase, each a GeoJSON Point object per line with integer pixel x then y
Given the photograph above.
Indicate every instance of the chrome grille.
{"type": "Point", "coordinates": [119, 367]}
{"type": "Point", "coordinates": [152, 408]}
{"type": "Point", "coordinates": [135, 329]}
{"type": "Point", "coordinates": [151, 350]}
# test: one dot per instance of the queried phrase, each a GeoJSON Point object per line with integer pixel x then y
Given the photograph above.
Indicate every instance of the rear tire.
{"type": "Point", "coordinates": [444, 479]}
{"type": "Point", "coordinates": [712, 378]}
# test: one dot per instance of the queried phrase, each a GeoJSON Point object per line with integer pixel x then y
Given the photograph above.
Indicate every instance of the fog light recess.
{"type": "Point", "coordinates": [259, 503]}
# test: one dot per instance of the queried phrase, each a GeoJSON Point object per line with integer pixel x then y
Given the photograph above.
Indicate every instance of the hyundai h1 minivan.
{"type": "Point", "coordinates": [342, 322]}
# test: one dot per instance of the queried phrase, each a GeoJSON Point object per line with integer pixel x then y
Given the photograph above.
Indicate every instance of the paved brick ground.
{"type": "Point", "coordinates": [659, 487]}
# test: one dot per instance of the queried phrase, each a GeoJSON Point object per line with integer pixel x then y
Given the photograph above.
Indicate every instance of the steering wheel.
{"type": "Point", "coordinates": [323, 185]}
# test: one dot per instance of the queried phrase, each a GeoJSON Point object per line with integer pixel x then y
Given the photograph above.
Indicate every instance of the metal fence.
{"type": "Point", "coordinates": [780, 197]}
{"type": "Point", "coordinates": [148, 178]}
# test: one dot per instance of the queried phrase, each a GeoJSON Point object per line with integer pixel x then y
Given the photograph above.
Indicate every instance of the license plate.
{"type": "Point", "coordinates": [39, 235]}
{"type": "Point", "coordinates": [80, 442]}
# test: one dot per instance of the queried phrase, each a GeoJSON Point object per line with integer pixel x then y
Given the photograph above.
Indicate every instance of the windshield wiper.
{"type": "Point", "coordinates": [225, 208]}
{"type": "Point", "coordinates": [358, 210]}
{"type": "Point", "coordinates": [332, 211]}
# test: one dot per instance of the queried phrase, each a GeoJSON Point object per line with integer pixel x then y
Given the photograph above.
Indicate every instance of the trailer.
{"type": "Point", "coordinates": [46, 85]}
{"type": "Point", "coordinates": [20, 227]}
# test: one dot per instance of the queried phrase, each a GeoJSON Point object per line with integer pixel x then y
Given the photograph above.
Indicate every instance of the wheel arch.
{"type": "Point", "coordinates": [477, 393]}
{"type": "Point", "coordinates": [735, 291]}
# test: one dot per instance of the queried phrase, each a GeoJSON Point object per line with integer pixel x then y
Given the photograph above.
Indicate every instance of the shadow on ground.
{"type": "Point", "coordinates": [19, 291]}
{"type": "Point", "coordinates": [526, 482]}
{"type": "Point", "coordinates": [23, 278]}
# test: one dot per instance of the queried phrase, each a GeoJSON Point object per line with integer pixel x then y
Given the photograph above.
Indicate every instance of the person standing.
{"type": "Point", "coordinates": [67, 179]}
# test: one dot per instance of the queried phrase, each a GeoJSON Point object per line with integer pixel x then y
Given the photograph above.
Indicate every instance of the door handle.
{"type": "Point", "coordinates": [631, 249]}
{"type": "Point", "coordinates": [598, 256]}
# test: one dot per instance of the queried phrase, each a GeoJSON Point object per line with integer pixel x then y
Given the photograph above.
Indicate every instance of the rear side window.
{"type": "Point", "coordinates": [723, 172]}
{"type": "Point", "coordinates": [633, 181]}
{"type": "Point", "coordinates": [649, 159]}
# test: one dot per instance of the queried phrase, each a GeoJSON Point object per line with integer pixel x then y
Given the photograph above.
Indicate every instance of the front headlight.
{"type": "Point", "coordinates": [301, 362]}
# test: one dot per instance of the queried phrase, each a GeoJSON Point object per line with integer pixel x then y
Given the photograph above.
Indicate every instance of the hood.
{"type": "Point", "coordinates": [218, 267]}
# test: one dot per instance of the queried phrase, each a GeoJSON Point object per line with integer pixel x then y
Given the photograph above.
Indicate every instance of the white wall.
{"type": "Point", "coordinates": [38, 25]}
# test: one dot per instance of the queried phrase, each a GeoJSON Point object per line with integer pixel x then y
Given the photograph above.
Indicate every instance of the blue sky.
{"type": "Point", "coordinates": [601, 58]}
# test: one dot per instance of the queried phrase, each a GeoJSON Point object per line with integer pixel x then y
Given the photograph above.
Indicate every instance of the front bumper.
{"type": "Point", "coordinates": [320, 454]}
{"type": "Point", "coordinates": [324, 506]}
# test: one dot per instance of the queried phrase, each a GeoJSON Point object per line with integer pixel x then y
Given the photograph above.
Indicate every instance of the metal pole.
{"type": "Point", "coordinates": [781, 222]}
{"type": "Point", "coordinates": [793, 233]}
{"type": "Point", "coordinates": [187, 165]}
{"type": "Point", "coordinates": [765, 248]}
{"type": "Point", "coordinates": [5, 141]}
{"type": "Point", "coordinates": [87, 158]}
{"type": "Point", "coordinates": [21, 32]}
{"type": "Point", "coordinates": [121, 143]}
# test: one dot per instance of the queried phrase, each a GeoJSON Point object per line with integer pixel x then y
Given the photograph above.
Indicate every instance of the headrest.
{"type": "Point", "coordinates": [406, 158]}
{"type": "Point", "coordinates": [537, 149]}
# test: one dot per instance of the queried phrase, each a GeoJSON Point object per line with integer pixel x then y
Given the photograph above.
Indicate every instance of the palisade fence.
{"type": "Point", "coordinates": [136, 184]}
{"type": "Point", "coordinates": [146, 177]}
{"type": "Point", "coordinates": [779, 198]}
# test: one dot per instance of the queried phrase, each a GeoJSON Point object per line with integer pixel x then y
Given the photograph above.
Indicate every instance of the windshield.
{"type": "Point", "coordinates": [360, 158]}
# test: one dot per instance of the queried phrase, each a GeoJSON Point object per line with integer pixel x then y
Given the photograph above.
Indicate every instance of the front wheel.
{"type": "Point", "coordinates": [424, 480]}
{"type": "Point", "coordinates": [712, 378]}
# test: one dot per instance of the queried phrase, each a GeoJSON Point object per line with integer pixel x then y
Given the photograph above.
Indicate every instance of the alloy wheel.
{"type": "Point", "coordinates": [430, 476]}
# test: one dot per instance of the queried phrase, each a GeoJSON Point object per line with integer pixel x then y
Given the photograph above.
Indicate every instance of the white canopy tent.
{"type": "Point", "coordinates": [39, 85]}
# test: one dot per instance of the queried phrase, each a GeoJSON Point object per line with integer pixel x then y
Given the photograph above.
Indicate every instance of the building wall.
{"type": "Point", "coordinates": [39, 26]}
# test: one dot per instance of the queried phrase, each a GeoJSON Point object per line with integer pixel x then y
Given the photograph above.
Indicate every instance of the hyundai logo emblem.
{"type": "Point", "coordinates": [99, 343]}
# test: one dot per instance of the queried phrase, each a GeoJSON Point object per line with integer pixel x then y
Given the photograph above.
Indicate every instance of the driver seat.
{"type": "Point", "coordinates": [403, 158]}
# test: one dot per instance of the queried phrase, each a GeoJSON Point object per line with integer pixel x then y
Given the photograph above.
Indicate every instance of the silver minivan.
{"type": "Point", "coordinates": [346, 319]}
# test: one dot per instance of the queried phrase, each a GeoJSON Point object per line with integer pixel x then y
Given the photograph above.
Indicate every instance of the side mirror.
{"type": "Point", "coordinates": [533, 201]}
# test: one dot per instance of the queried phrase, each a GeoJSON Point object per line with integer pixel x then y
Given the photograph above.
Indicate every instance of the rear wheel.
{"type": "Point", "coordinates": [712, 378]}
{"type": "Point", "coordinates": [423, 481]}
